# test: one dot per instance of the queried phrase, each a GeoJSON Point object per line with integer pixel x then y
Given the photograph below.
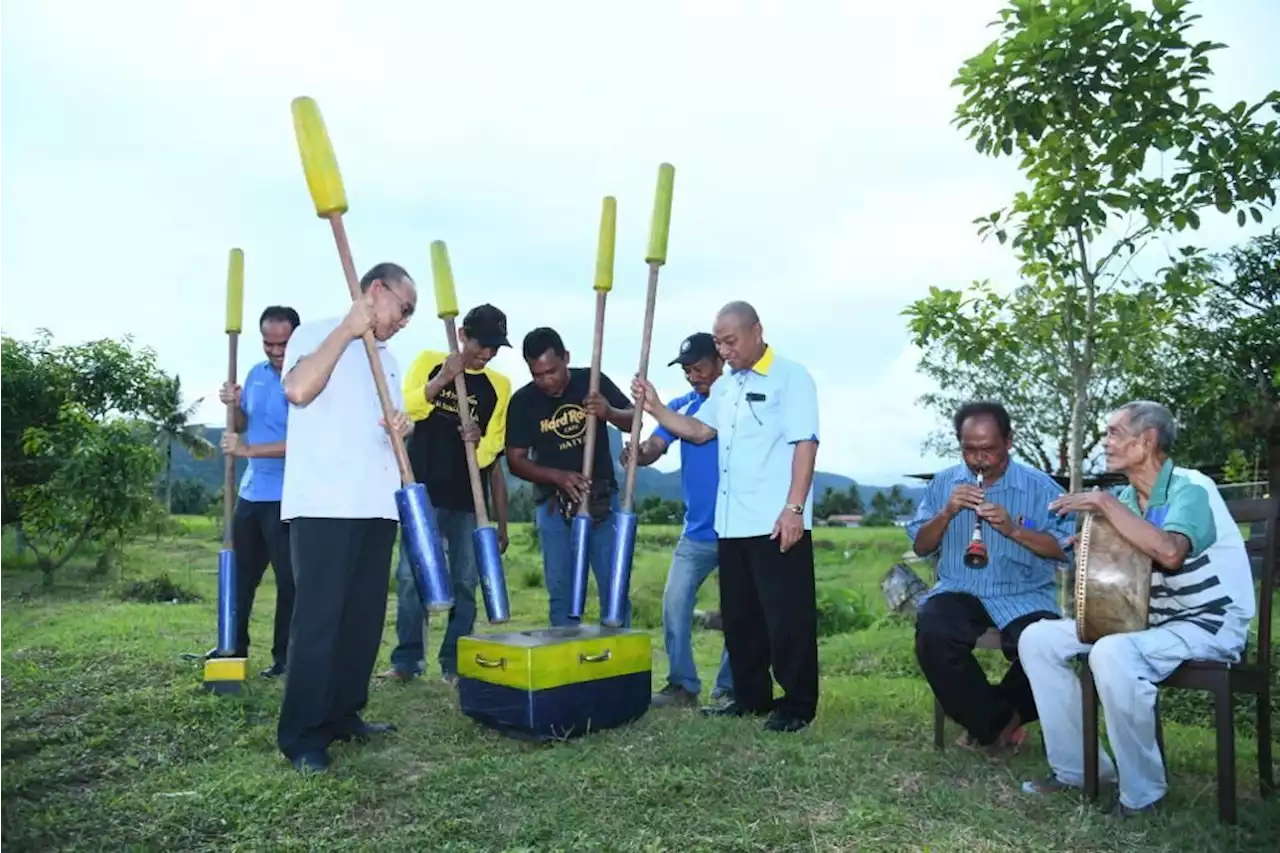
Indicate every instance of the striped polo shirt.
{"type": "Point", "coordinates": [1213, 589]}
{"type": "Point", "coordinates": [1016, 581]}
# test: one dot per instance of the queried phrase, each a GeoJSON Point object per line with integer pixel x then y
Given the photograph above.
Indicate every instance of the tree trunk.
{"type": "Point", "coordinates": [1273, 460]}
{"type": "Point", "coordinates": [1079, 409]}
{"type": "Point", "coordinates": [1273, 484]}
{"type": "Point", "coordinates": [168, 477]}
{"type": "Point", "coordinates": [1082, 369]}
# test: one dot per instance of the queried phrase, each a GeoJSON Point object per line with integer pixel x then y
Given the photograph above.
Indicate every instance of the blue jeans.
{"type": "Point", "coordinates": [556, 539]}
{"type": "Point", "coordinates": [691, 564]}
{"type": "Point", "coordinates": [409, 655]}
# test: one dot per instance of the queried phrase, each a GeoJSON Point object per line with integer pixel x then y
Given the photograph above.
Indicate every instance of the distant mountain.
{"type": "Point", "coordinates": [664, 484]}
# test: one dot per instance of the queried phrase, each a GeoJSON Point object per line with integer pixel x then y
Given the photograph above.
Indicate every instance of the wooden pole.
{"type": "Point", "coordinates": [464, 414]}
{"type": "Point", "coordinates": [371, 350]}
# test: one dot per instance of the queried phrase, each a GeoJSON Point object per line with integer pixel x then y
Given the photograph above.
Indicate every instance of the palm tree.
{"type": "Point", "coordinates": [170, 423]}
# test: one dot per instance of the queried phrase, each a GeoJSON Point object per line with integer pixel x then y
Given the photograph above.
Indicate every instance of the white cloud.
{"type": "Point", "coordinates": [817, 173]}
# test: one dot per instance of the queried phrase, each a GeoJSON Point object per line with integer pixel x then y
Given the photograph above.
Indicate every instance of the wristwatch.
{"type": "Point", "coordinates": [798, 509]}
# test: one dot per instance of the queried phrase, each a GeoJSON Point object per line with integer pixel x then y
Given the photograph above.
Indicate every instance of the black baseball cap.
{"type": "Point", "coordinates": [695, 348]}
{"type": "Point", "coordinates": [487, 326]}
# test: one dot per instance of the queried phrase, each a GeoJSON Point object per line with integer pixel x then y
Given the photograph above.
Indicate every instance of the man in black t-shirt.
{"type": "Point", "coordinates": [546, 437]}
{"type": "Point", "coordinates": [438, 457]}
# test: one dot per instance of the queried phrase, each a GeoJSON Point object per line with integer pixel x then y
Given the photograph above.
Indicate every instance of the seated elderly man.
{"type": "Point", "coordinates": [1201, 605]}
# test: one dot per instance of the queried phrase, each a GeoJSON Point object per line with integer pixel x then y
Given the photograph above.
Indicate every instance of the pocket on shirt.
{"type": "Point", "coordinates": [1022, 568]}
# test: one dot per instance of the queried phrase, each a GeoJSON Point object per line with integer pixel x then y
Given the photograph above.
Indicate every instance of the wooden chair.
{"type": "Point", "coordinates": [1222, 680]}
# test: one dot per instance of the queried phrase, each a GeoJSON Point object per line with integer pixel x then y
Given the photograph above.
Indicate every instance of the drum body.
{"type": "Point", "coordinates": [555, 683]}
{"type": "Point", "coordinates": [1113, 582]}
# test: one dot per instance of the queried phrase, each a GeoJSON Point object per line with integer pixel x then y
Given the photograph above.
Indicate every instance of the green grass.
{"type": "Point", "coordinates": [109, 743]}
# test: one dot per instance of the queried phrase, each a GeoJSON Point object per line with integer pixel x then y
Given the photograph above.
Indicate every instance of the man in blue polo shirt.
{"type": "Point", "coordinates": [258, 535]}
{"type": "Point", "coordinates": [695, 556]}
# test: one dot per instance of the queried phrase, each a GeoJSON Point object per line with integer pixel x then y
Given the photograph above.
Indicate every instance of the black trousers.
{"type": "Point", "coordinates": [342, 568]}
{"type": "Point", "coordinates": [769, 607]}
{"type": "Point", "coordinates": [948, 626]}
{"type": "Point", "coordinates": [259, 537]}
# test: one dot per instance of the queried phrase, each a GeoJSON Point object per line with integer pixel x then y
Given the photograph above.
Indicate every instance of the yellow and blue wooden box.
{"type": "Point", "coordinates": [555, 683]}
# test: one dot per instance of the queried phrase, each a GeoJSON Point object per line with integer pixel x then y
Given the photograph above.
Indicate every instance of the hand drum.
{"type": "Point", "coordinates": [1113, 582]}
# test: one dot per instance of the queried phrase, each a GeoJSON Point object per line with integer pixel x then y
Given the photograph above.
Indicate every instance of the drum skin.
{"type": "Point", "coordinates": [1113, 582]}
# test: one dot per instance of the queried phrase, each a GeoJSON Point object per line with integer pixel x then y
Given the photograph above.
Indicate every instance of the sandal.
{"type": "Point", "coordinates": [1050, 784]}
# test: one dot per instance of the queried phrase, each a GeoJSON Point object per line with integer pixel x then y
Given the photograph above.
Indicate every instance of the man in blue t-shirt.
{"type": "Point", "coordinates": [695, 556]}
{"type": "Point", "coordinates": [258, 535]}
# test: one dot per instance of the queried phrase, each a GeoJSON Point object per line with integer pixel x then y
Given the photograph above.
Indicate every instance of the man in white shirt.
{"type": "Point", "coordinates": [339, 499]}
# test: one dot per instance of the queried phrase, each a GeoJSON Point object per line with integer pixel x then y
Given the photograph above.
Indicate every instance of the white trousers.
{"type": "Point", "coordinates": [1126, 668]}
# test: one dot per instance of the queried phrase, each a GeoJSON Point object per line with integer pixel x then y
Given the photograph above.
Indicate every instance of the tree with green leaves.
{"type": "Point", "coordinates": [887, 507]}
{"type": "Point", "coordinates": [171, 422]}
{"type": "Point", "coordinates": [105, 378]}
{"type": "Point", "coordinates": [192, 497]}
{"type": "Point", "coordinates": [1104, 106]}
{"type": "Point", "coordinates": [655, 510]}
{"type": "Point", "coordinates": [832, 502]}
{"type": "Point", "coordinates": [1023, 367]}
{"type": "Point", "coordinates": [1223, 380]}
{"type": "Point", "coordinates": [100, 488]}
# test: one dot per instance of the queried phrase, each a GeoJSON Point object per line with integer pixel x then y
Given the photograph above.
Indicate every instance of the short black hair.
{"type": "Point", "coordinates": [386, 272]}
{"type": "Point", "coordinates": [280, 314]}
{"type": "Point", "coordinates": [540, 340]}
{"type": "Point", "coordinates": [988, 409]}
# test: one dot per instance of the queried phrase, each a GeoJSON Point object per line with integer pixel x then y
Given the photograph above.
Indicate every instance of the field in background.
{"type": "Point", "coordinates": [108, 742]}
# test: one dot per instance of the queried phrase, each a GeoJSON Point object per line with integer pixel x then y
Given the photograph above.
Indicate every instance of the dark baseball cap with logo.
{"type": "Point", "coordinates": [695, 348]}
{"type": "Point", "coordinates": [487, 326]}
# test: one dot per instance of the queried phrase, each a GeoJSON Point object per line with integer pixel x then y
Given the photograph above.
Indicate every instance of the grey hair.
{"type": "Point", "coordinates": [742, 311]}
{"type": "Point", "coordinates": [1143, 415]}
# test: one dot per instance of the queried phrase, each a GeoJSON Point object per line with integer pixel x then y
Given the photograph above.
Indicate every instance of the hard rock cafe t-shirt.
{"type": "Point", "coordinates": [554, 429]}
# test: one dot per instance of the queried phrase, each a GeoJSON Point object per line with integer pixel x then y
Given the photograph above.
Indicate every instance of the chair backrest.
{"type": "Point", "coordinates": [1254, 512]}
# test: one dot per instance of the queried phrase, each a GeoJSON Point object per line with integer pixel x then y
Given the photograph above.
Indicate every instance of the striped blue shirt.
{"type": "Point", "coordinates": [1016, 581]}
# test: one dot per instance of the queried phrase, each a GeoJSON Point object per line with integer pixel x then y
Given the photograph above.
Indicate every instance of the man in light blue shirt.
{"type": "Point", "coordinates": [258, 535]}
{"type": "Point", "coordinates": [696, 554]}
{"type": "Point", "coordinates": [764, 415]}
{"type": "Point", "coordinates": [1025, 542]}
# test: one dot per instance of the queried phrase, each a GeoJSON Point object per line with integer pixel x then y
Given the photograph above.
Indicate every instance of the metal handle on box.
{"type": "Point", "coordinates": [600, 658]}
{"type": "Point", "coordinates": [500, 663]}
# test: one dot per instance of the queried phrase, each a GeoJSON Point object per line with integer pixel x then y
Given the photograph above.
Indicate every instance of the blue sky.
{"type": "Point", "coordinates": [817, 174]}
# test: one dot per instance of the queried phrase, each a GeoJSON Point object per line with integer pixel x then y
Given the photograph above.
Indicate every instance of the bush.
{"type": "Point", "coordinates": [158, 590]}
{"type": "Point", "coordinates": [841, 611]}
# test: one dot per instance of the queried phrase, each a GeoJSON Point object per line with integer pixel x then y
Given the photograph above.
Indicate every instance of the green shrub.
{"type": "Point", "coordinates": [841, 611]}
{"type": "Point", "coordinates": [158, 590]}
